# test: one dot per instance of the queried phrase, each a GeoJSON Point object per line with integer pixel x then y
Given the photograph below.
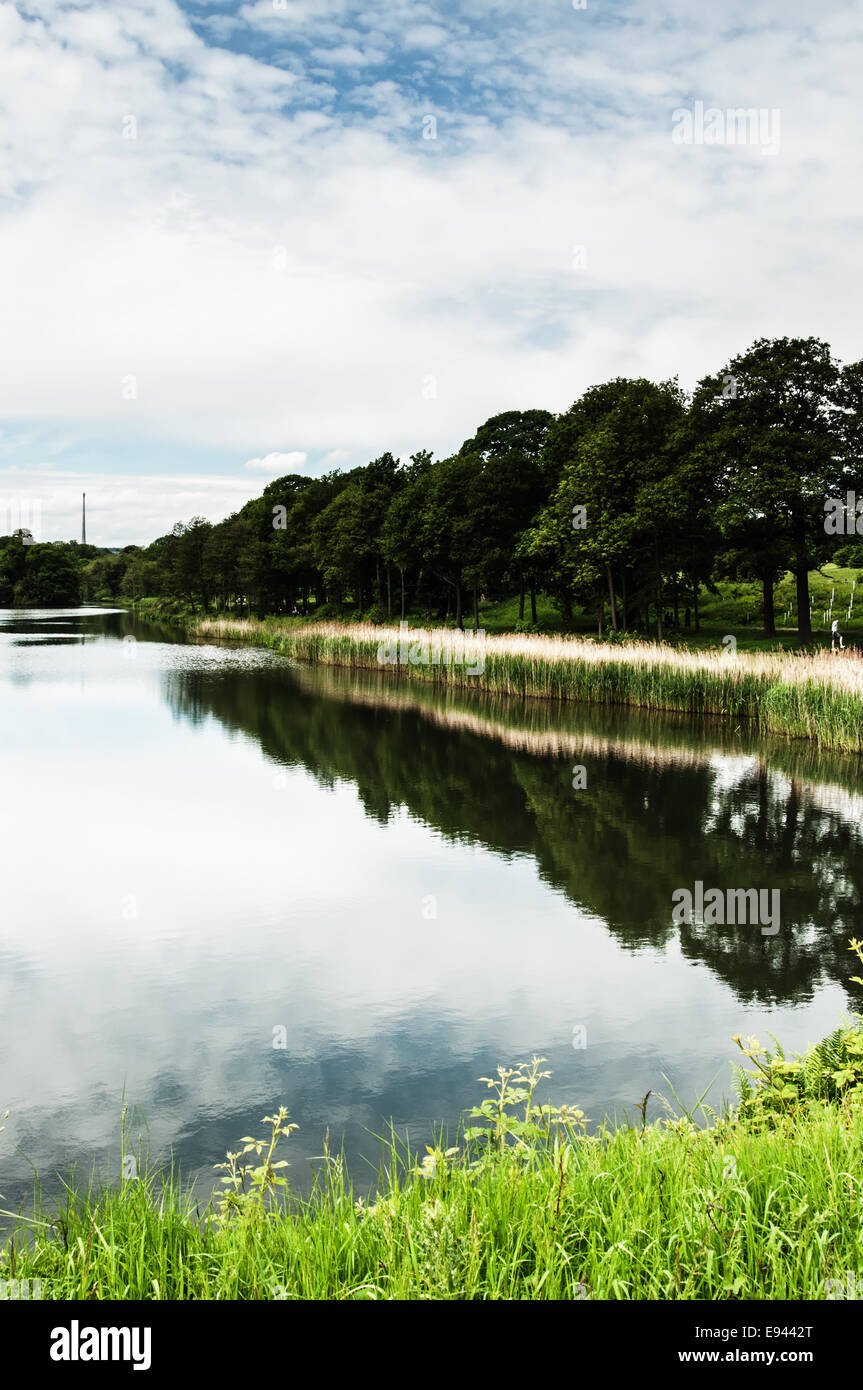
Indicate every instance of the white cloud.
{"type": "Point", "coordinates": [426, 36]}
{"type": "Point", "coordinates": [335, 458]}
{"type": "Point", "coordinates": [121, 509]}
{"type": "Point", "coordinates": [276, 465]}
{"type": "Point", "coordinates": [273, 258]}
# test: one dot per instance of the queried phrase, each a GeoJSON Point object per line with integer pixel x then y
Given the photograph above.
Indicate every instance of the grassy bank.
{"type": "Point", "coordinates": [817, 696]}
{"type": "Point", "coordinates": [729, 606]}
{"type": "Point", "coordinates": [762, 1202]}
{"type": "Point", "coordinates": [527, 1206]}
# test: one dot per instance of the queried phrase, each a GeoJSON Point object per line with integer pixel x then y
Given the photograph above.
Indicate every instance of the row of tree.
{"type": "Point", "coordinates": [626, 506]}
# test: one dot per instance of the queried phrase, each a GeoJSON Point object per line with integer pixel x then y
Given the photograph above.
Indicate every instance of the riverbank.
{"type": "Point", "coordinates": [797, 695]}
{"type": "Point", "coordinates": [663, 1210]}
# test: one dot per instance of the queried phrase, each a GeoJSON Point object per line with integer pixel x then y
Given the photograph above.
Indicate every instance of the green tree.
{"type": "Point", "coordinates": [450, 542]}
{"type": "Point", "coordinates": [510, 488]}
{"type": "Point", "coordinates": [402, 529]}
{"type": "Point", "coordinates": [620, 503]}
{"type": "Point", "coordinates": [51, 576]}
{"type": "Point", "coordinates": [770, 419]}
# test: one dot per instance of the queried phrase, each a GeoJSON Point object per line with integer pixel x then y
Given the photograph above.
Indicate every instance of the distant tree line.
{"type": "Point", "coordinates": [626, 506]}
{"type": "Point", "coordinates": [59, 574]}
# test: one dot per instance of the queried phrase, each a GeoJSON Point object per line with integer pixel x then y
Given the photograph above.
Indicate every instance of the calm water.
{"type": "Point", "coordinates": [203, 846]}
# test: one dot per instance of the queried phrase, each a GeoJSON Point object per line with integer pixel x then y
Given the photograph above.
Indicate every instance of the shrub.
{"type": "Point", "coordinates": [826, 1071]}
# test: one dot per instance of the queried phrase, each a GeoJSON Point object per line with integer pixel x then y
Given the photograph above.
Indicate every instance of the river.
{"type": "Point", "coordinates": [231, 881]}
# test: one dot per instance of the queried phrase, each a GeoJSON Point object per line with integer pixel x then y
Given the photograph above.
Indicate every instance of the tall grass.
{"type": "Point", "coordinates": [815, 696]}
{"type": "Point", "coordinates": [667, 1210]}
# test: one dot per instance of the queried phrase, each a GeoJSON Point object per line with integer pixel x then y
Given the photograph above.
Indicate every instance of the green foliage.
{"type": "Point", "coordinates": [667, 1210]}
{"type": "Point", "coordinates": [39, 575]}
{"type": "Point", "coordinates": [514, 1087]}
{"type": "Point", "coordinates": [825, 1072]}
{"type": "Point", "coordinates": [251, 1189]}
{"type": "Point", "coordinates": [779, 423]}
{"type": "Point", "coordinates": [849, 556]}
{"type": "Point", "coordinates": [678, 493]}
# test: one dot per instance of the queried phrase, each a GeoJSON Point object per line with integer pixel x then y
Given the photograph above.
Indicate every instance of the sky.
{"type": "Point", "coordinates": [239, 240]}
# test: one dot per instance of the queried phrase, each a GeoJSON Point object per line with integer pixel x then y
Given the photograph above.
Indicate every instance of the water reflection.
{"type": "Point", "coordinates": [663, 805]}
{"type": "Point", "coordinates": [202, 846]}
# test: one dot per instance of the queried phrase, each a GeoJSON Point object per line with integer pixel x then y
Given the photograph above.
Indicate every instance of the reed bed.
{"type": "Point", "coordinates": [817, 696]}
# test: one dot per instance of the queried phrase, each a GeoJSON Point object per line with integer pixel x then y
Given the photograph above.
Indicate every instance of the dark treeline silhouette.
{"type": "Point", "coordinates": [626, 506]}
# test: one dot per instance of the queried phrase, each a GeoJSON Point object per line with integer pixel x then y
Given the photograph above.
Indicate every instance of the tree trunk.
{"type": "Point", "coordinates": [459, 620]}
{"type": "Point", "coordinates": [389, 593]}
{"type": "Point", "coordinates": [769, 609]}
{"type": "Point", "coordinates": [533, 605]}
{"type": "Point", "coordinates": [402, 575]}
{"type": "Point", "coordinates": [601, 611]}
{"type": "Point", "coordinates": [659, 632]}
{"type": "Point", "coordinates": [623, 597]}
{"type": "Point", "coordinates": [804, 620]}
{"type": "Point", "coordinates": [695, 606]}
{"type": "Point", "coordinates": [521, 596]}
{"type": "Point", "coordinates": [475, 610]}
{"type": "Point", "coordinates": [610, 578]}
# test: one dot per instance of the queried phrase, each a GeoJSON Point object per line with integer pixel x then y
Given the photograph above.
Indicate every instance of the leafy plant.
{"type": "Point", "coordinates": [824, 1072]}
{"type": "Point", "coordinates": [514, 1087]}
{"type": "Point", "coordinates": [251, 1189]}
{"type": "Point", "coordinates": [436, 1160]}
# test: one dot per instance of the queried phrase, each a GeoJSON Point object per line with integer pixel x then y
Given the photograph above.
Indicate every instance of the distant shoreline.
{"type": "Point", "coordinates": [796, 695]}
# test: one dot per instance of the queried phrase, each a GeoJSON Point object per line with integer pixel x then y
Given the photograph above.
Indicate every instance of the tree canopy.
{"type": "Point", "coordinates": [627, 504]}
